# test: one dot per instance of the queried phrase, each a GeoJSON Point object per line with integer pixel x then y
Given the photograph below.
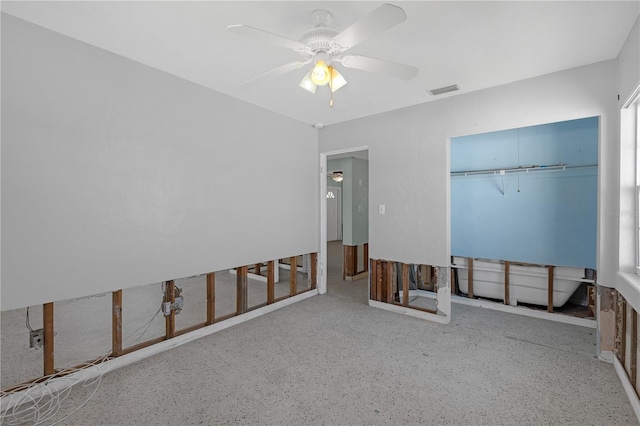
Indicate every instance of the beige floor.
{"type": "Point", "coordinates": [334, 360]}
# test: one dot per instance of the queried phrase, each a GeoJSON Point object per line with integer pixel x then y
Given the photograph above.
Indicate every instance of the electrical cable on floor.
{"type": "Point", "coordinates": [23, 408]}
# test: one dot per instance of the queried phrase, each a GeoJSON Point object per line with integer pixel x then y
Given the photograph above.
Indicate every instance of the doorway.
{"type": "Point", "coordinates": [345, 218]}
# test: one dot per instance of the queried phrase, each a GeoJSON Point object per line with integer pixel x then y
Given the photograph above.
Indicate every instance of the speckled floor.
{"type": "Point", "coordinates": [334, 360]}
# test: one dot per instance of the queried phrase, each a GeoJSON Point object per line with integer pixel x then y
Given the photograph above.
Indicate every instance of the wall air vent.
{"type": "Point", "coordinates": [443, 90]}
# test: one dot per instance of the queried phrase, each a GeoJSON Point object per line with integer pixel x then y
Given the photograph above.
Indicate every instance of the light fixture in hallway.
{"type": "Point", "coordinates": [337, 176]}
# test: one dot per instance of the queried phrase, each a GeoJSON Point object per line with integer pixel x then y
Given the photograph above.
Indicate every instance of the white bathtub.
{"type": "Point", "coordinates": [527, 284]}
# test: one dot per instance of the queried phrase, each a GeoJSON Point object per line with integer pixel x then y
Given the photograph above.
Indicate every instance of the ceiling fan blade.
{"type": "Point", "coordinates": [276, 72]}
{"type": "Point", "coordinates": [249, 31]}
{"type": "Point", "coordinates": [381, 19]}
{"type": "Point", "coordinates": [378, 66]}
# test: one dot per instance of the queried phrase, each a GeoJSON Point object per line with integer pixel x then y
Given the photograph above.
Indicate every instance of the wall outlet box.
{"type": "Point", "coordinates": [36, 338]}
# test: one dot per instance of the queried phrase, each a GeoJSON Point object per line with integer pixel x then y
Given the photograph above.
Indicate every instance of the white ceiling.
{"type": "Point", "coordinates": [475, 44]}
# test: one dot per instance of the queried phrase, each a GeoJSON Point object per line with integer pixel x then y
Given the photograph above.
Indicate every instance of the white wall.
{"type": "Point", "coordinates": [629, 64]}
{"type": "Point", "coordinates": [409, 156]}
{"type": "Point", "coordinates": [115, 174]}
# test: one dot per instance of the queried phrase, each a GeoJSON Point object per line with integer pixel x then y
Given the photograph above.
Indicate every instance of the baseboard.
{"type": "Point", "coordinates": [357, 277]}
{"type": "Point", "coordinates": [410, 312]}
{"type": "Point", "coordinates": [520, 310]}
{"type": "Point", "coordinates": [61, 383]}
{"type": "Point", "coordinates": [628, 387]}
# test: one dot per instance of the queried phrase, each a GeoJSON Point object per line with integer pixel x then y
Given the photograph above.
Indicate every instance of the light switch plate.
{"type": "Point", "coordinates": [381, 209]}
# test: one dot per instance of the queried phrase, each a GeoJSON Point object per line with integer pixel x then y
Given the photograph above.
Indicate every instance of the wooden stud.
{"type": "Point", "coordinates": [170, 320]}
{"type": "Point", "coordinates": [314, 270]}
{"type": "Point", "coordinates": [271, 290]}
{"type": "Point", "coordinates": [506, 283]}
{"type": "Point", "coordinates": [389, 281]}
{"type": "Point", "coordinates": [211, 298]}
{"type": "Point", "coordinates": [591, 300]}
{"type": "Point", "coordinates": [354, 261]}
{"type": "Point", "coordinates": [634, 347]}
{"type": "Point", "coordinates": [470, 278]}
{"type": "Point", "coordinates": [242, 283]}
{"type": "Point", "coordinates": [293, 277]}
{"type": "Point", "coordinates": [405, 284]}
{"type": "Point", "coordinates": [623, 333]}
{"type": "Point", "coordinates": [116, 323]}
{"type": "Point", "coordinates": [550, 289]}
{"type": "Point", "coordinates": [452, 281]}
{"type": "Point", "coordinates": [365, 256]}
{"type": "Point", "coordinates": [373, 281]}
{"type": "Point", "coordinates": [380, 280]}
{"type": "Point", "coordinates": [344, 263]}
{"type": "Point", "coordinates": [47, 321]}
{"type": "Point", "coordinates": [350, 261]}
{"type": "Point", "coordinates": [257, 268]}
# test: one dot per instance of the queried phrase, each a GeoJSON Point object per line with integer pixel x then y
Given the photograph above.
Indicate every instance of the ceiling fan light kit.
{"type": "Point", "coordinates": [324, 46]}
{"type": "Point", "coordinates": [321, 73]}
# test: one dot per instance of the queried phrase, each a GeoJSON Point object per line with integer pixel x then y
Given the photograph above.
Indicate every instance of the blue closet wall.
{"type": "Point", "coordinates": [544, 217]}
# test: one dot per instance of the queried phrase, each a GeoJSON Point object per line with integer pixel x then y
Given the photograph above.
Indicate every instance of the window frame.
{"type": "Point", "coordinates": [636, 105]}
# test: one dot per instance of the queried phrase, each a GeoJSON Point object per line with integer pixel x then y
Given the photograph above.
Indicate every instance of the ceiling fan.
{"type": "Point", "coordinates": [324, 46]}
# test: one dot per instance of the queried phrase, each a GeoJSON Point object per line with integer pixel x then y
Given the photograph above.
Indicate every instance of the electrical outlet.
{"type": "Point", "coordinates": [36, 338]}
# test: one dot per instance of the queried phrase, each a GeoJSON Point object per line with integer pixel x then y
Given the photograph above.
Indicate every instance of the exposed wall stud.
{"type": "Point", "coordinates": [116, 323]}
{"type": "Point", "coordinates": [314, 271]}
{"type": "Point", "coordinates": [47, 321]}
{"type": "Point", "coordinates": [350, 261]}
{"type": "Point", "coordinates": [293, 277]}
{"type": "Point", "coordinates": [470, 277]}
{"type": "Point", "coordinates": [373, 281]}
{"type": "Point", "coordinates": [623, 333]}
{"type": "Point", "coordinates": [271, 292]}
{"type": "Point", "coordinates": [170, 320]}
{"type": "Point", "coordinates": [211, 298]}
{"type": "Point", "coordinates": [389, 282]}
{"type": "Point", "coordinates": [633, 370]}
{"type": "Point", "coordinates": [550, 289]}
{"type": "Point", "coordinates": [405, 284]}
{"type": "Point", "coordinates": [506, 283]}
{"type": "Point", "coordinates": [241, 289]}
{"type": "Point", "coordinates": [380, 280]}
{"type": "Point", "coordinates": [365, 256]}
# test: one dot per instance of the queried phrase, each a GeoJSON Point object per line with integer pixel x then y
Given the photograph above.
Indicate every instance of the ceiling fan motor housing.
{"type": "Point", "coordinates": [319, 40]}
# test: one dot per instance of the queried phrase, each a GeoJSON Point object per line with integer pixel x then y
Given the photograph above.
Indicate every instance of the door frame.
{"type": "Point", "coordinates": [322, 254]}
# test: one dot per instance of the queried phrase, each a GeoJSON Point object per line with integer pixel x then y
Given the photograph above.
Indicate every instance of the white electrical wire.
{"type": "Point", "coordinates": [25, 408]}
